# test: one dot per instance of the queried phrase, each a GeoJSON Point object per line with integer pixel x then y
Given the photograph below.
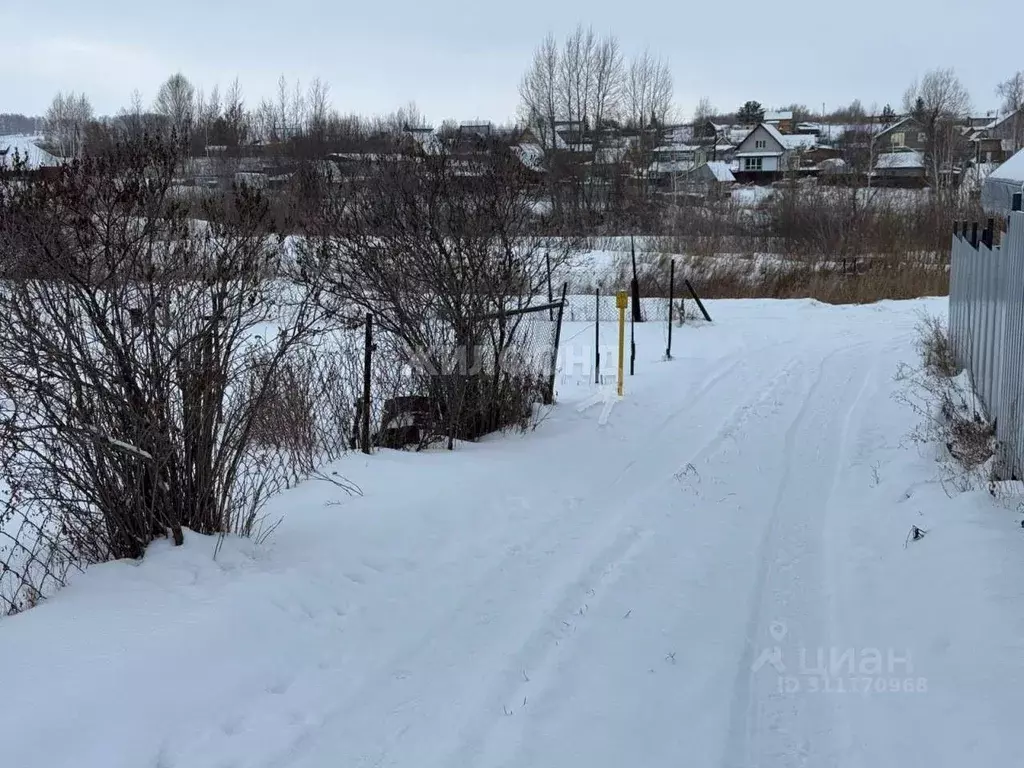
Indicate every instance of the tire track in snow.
{"type": "Point", "coordinates": [760, 713]}
{"type": "Point", "coordinates": [540, 653]}
{"type": "Point", "coordinates": [493, 581]}
{"type": "Point", "coordinates": [598, 544]}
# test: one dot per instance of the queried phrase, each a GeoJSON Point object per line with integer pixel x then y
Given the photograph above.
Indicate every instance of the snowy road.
{"type": "Point", "coordinates": [713, 577]}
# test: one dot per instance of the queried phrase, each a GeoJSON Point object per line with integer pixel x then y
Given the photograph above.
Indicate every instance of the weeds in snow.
{"type": "Point", "coordinates": [951, 415]}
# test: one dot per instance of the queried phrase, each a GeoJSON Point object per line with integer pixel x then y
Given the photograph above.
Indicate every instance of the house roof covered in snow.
{"type": "Point", "coordinates": [776, 117]}
{"type": "Point", "coordinates": [720, 170]}
{"type": "Point", "coordinates": [1012, 169]}
{"type": "Point", "coordinates": [898, 124]}
{"type": "Point", "coordinates": [1000, 120]}
{"type": "Point", "coordinates": [1002, 184]}
{"type": "Point", "coordinates": [28, 150]}
{"type": "Point", "coordinates": [747, 149]}
{"type": "Point", "coordinates": [895, 160]}
{"type": "Point", "coordinates": [799, 141]}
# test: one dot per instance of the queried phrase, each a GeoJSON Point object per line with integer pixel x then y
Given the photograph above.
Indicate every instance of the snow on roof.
{"type": "Point", "coordinates": [897, 124]}
{"type": "Point", "coordinates": [776, 116]}
{"type": "Point", "coordinates": [720, 170]}
{"type": "Point", "coordinates": [530, 155]}
{"type": "Point", "coordinates": [832, 164]}
{"type": "Point", "coordinates": [893, 160]}
{"type": "Point", "coordinates": [1011, 170]}
{"type": "Point", "coordinates": [28, 150]}
{"type": "Point", "coordinates": [675, 166]}
{"type": "Point", "coordinates": [799, 141]}
{"type": "Point", "coordinates": [1000, 120]}
{"type": "Point", "coordinates": [774, 133]}
{"type": "Point", "coordinates": [676, 148]}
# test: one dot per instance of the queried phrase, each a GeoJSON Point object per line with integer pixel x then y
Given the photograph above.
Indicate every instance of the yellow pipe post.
{"type": "Point", "coordinates": [621, 302]}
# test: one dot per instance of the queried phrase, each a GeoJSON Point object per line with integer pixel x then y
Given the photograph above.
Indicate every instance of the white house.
{"type": "Point", "coordinates": [764, 155]}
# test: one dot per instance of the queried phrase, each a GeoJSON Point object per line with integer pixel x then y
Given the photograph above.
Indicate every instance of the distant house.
{"type": "Point", "coordinates": [669, 161]}
{"type": "Point", "coordinates": [1003, 137]}
{"type": "Point", "coordinates": [903, 134]}
{"type": "Point", "coordinates": [708, 131]}
{"type": "Point", "coordinates": [722, 150]}
{"type": "Point", "coordinates": [818, 158]}
{"type": "Point", "coordinates": [763, 156]}
{"type": "Point", "coordinates": [782, 121]}
{"type": "Point", "coordinates": [980, 121]}
{"type": "Point", "coordinates": [901, 168]}
{"type": "Point", "coordinates": [710, 179]}
{"type": "Point", "coordinates": [1002, 185]}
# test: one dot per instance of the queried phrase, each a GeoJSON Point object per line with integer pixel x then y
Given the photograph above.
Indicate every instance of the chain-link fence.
{"type": "Point", "coordinates": [664, 298]}
{"type": "Point", "coordinates": [301, 424]}
{"type": "Point", "coordinates": [408, 395]}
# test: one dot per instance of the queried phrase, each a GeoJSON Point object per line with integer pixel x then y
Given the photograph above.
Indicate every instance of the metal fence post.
{"type": "Point", "coordinates": [632, 342]}
{"type": "Point", "coordinates": [597, 335]}
{"type": "Point", "coordinates": [367, 363]}
{"type": "Point", "coordinates": [671, 298]}
{"type": "Point", "coordinates": [551, 296]}
{"type": "Point", "coordinates": [696, 298]}
{"type": "Point", "coordinates": [634, 286]}
{"type": "Point", "coordinates": [550, 393]}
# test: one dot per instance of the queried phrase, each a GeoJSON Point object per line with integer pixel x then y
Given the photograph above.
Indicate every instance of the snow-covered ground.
{"type": "Point", "coordinates": [712, 572]}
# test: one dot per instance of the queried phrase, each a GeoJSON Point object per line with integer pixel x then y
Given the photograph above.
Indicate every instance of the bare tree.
{"type": "Point", "coordinates": [704, 111]}
{"type": "Point", "coordinates": [443, 253]}
{"type": "Point", "coordinates": [648, 100]}
{"type": "Point", "coordinates": [607, 83]}
{"type": "Point", "coordinates": [1011, 91]}
{"type": "Point", "coordinates": [283, 113]}
{"type": "Point", "coordinates": [576, 82]}
{"type": "Point", "coordinates": [648, 91]}
{"type": "Point", "coordinates": [319, 108]}
{"type": "Point", "coordinates": [66, 121]}
{"type": "Point", "coordinates": [939, 102]}
{"type": "Point", "coordinates": [267, 122]}
{"type": "Point", "coordinates": [538, 91]}
{"type": "Point", "coordinates": [236, 121]}
{"type": "Point", "coordinates": [132, 119]}
{"type": "Point", "coordinates": [176, 102]}
{"type": "Point", "coordinates": [297, 110]}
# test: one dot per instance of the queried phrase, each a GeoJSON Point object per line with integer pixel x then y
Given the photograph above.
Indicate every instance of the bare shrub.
{"type": "Point", "coordinates": [139, 354]}
{"type": "Point", "coordinates": [936, 351]}
{"type": "Point", "coordinates": [951, 414]}
{"type": "Point", "coordinates": [441, 250]}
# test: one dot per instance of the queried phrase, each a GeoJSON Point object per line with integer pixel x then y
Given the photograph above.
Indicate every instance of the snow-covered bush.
{"type": "Point", "coordinates": [139, 360]}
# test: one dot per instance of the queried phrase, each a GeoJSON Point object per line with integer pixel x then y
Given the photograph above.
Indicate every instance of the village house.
{"type": "Point", "coordinates": [901, 168]}
{"type": "Point", "coordinates": [710, 179]}
{"type": "Point", "coordinates": [903, 134]}
{"type": "Point", "coordinates": [781, 121]}
{"type": "Point", "coordinates": [1001, 138]}
{"type": "Point", "coordinates": [763, 156]}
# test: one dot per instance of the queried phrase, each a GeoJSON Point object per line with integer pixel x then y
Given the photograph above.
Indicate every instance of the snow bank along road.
{"type": "Point", "coordinates": [713, 576]}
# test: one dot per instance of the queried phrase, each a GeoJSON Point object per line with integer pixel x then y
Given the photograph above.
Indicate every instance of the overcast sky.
{"type": "Point", "coordinates": [463, 59]}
